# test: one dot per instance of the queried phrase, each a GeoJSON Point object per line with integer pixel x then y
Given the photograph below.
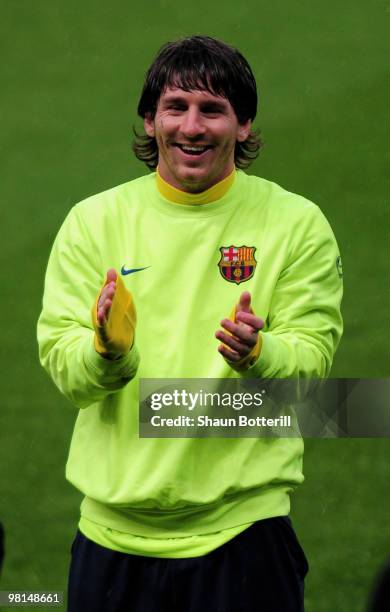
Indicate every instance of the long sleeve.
{"type": "Point", "coordinates": [304, 324]}
{"type": "Point", "coordinates": [65, 333]}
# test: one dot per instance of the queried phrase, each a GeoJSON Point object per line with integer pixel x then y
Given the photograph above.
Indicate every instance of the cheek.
{"type": "Point", "coordinates": [164, 127]}
{"type": "Point", "coordinates": [227, 135]}
{"type": "Point", "coordinates": [228, 143]}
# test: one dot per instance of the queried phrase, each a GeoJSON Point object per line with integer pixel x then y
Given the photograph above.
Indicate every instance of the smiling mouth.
{"type": "Point", "coordinates": [193, 149]}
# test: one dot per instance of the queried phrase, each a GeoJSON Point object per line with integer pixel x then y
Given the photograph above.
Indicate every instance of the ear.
{"type": "Point", "coordinates": [149, 125]}
{"type": "Point", "coordinates": [243, 130]}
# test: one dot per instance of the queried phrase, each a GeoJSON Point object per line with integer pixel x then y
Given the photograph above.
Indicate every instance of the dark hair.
{"type": "Point", "coordinates": [200, 62]}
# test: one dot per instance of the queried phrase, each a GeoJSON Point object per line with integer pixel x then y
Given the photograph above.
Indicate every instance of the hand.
{"type": "Point", "coordinates": [106, 297]}
{"type": "Point", "coordinates": [114, 318]}
{"type": "Point", "coordinates": [241, 340]}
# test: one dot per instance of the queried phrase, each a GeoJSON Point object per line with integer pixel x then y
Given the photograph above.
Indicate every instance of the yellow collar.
{"type": "Point", "coordinates": [176, 196]}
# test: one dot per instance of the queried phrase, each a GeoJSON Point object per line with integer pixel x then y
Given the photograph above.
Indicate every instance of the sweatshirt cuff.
{"type": "Point", "coordinates": [107, 370]}
{"type": "Point", "coordinates": [264, 361]}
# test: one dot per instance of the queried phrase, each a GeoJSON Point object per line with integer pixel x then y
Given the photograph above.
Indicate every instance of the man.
{"type": "Point", "coordinates": [187, 524]}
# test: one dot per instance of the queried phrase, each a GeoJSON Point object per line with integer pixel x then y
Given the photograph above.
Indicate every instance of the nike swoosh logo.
{"type": "Point", "coordinates": [132, 270]}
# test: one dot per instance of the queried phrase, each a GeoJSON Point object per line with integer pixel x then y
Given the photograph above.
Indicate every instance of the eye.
{"type": "Point", "coordinates": [212, 110]}
{"type": "Point", "coordinates": [175, 106]}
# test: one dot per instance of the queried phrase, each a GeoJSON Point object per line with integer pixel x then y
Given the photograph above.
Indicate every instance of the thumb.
{"type": "Point", "coordinates": [244, 304]}
{"type": "Point", "coordinates": [111, 275]}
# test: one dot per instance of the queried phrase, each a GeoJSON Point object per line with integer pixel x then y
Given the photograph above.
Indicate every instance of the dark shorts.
{"type": "Point", "coordinates": [260, 570]}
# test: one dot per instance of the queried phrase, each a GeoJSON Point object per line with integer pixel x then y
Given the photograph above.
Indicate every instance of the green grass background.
{"type": "Point", "coordinates": [70, 77]}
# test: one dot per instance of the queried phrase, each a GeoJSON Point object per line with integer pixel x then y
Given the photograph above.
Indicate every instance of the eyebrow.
{"type": "Point", "coordinates": [175, 99]}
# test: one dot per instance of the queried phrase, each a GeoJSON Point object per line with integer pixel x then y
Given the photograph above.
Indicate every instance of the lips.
{"type": "Point", "coordinates": [193, 149]}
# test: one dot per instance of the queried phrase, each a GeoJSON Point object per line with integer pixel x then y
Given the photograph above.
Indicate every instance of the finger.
{"type": "Point", "coordinates": [112, 275]}
{"type": "Point", "coordinates": [111, 285]}
{"type": "Point", "coordinates": [104, 311]}
{"type": "Point", "coordinates": [250, 319]}
{"type": "Point", "coordinates": [242, 331]}
{"type": "Point", "coordinates": [241, 348]}
{"type": "Point", "coordinates": [244, 305]}
{"type": "Point", "coordinates": [107, 292]}
{"type": "Point", "coordinates": [228, 354]}
{"type": "Point", "coordinates": [101, 317]}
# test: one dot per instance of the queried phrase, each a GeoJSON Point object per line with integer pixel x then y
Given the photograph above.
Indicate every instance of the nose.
{"type": "Point", "coordinates": [192, 123]}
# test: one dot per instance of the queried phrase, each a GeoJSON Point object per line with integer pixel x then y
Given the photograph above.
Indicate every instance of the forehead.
{"type": "Point", "coordinates": [193, 96]}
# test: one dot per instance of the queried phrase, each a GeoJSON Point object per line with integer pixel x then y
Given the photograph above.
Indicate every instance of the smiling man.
{"type": "Point", "coordinates": [195, 251]}
{"type": "Point", "coordinates": [196, 133]}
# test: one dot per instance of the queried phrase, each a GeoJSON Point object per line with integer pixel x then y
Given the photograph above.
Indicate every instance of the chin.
{"type": "Point", "coordinates": [195, 179]}
{"type": "Point", "coordinates": [195, 183]}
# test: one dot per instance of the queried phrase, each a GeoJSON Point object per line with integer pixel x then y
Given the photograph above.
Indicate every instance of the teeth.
{"type": "Point", "coordinates": [192, 149]}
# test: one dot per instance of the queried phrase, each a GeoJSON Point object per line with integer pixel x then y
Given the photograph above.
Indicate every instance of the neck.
{"type": "Point", "coordinates": [213, 193]}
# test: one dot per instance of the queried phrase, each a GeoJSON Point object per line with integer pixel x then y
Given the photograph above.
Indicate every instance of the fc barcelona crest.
{"type": "Point", "coordinates": [237, 264]}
